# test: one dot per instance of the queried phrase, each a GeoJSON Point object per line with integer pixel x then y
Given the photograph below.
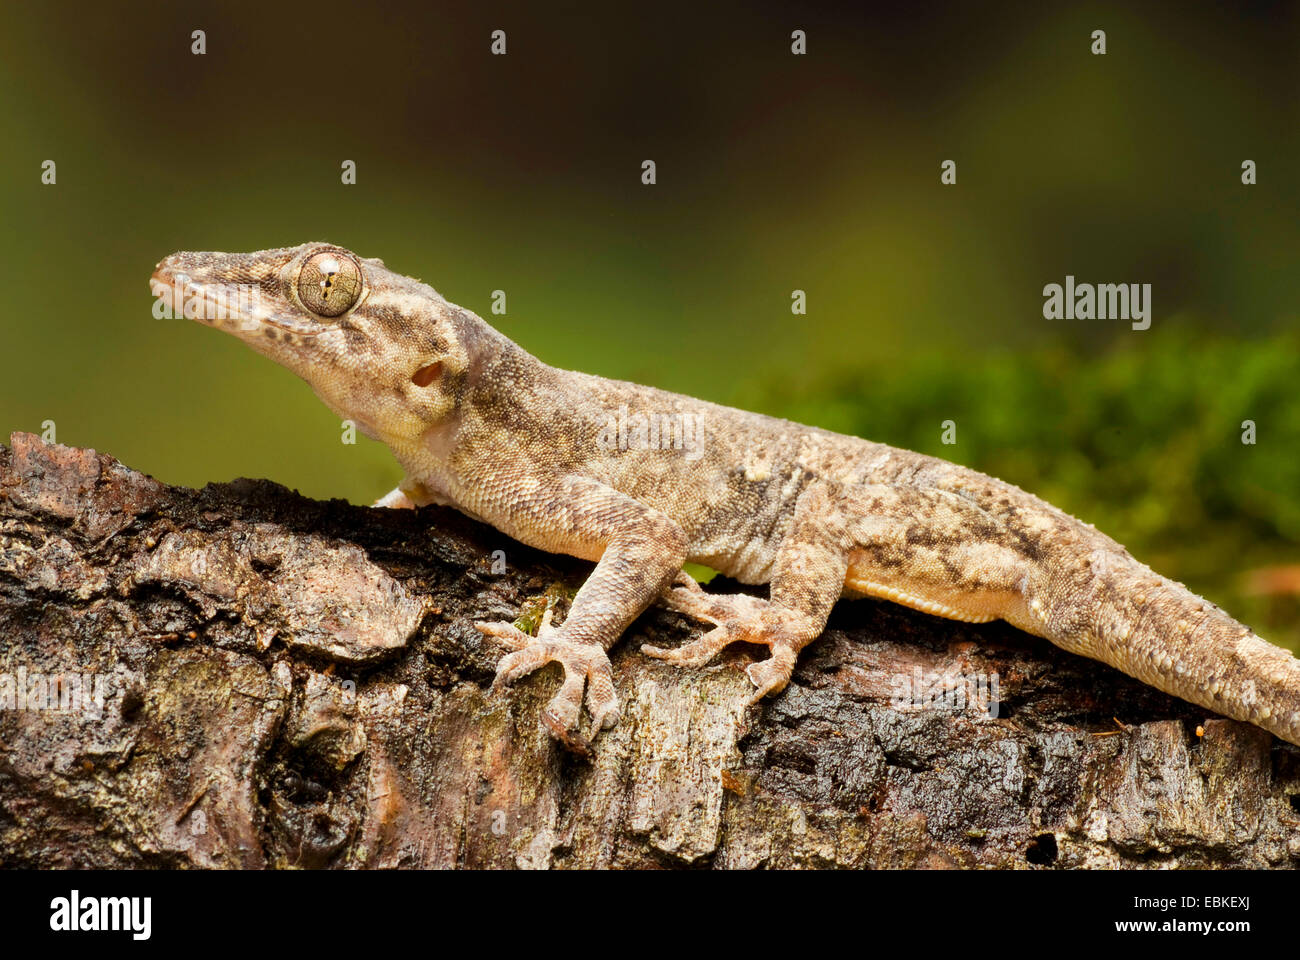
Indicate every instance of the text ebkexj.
{"type": "Point", "coordinates": [76, 913]}
{"type": "Point", "coordinates": [1210, 902]}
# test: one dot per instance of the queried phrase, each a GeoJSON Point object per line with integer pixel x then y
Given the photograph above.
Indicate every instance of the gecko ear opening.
{"type": "Point", "coordinates": [427, 374]}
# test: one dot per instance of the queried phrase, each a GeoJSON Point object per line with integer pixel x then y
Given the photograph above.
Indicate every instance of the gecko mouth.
{"type": "Point", "coordinates": [240, 308]}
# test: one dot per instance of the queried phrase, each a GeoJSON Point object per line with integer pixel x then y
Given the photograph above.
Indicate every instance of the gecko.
{"type": "Point", "coordinates": [640, 481]}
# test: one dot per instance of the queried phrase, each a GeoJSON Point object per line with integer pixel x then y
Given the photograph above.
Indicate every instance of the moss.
{"type": "Point", "coordinates": [1144, 441]}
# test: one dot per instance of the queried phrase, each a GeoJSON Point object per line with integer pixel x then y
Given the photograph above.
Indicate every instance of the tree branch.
{"type": "Point", "coordinates": [242, 677]}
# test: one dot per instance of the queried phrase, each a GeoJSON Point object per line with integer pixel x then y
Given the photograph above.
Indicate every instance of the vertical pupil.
{"type": "Point", "coordinates": [329, 267]}
{"type": "Point", "coordinates": [328, 270]}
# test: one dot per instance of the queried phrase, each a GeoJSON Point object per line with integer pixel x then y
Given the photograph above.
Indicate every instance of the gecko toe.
{"type": "Point", "coordinates": [507, 633]}
{"type": "Point", "coordinates": [602, 698]}
{"type": "Point", "coordinates": [773, 674]}
{"type": "Point", "coordinates": [699, 651]}
{"type": "Point", "coordinates": [565, 709]}
{"type": "Point", "coordinates": [691, 603]}
{"type": "Point", "coordinates": [519, 664]}
{"type": "Point", "coordinates": [604, 714]}
{"type": "Point", "coordinates": [686, 582]}
{"type": "Point", "coordinates": [566, 730]}
{"type": "Point", "coordinates": [712, 608]}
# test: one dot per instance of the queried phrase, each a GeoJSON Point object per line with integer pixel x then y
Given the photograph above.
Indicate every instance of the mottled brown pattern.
{"type": "Point", "coordinates": [529, 449]}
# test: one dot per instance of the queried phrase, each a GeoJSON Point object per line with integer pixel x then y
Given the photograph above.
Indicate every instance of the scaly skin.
{"type": "Point", "coordinates": [479, 424]}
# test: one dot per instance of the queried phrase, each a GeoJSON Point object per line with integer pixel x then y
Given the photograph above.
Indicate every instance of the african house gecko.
{"type": "Point", "coordinates": [547, 456]}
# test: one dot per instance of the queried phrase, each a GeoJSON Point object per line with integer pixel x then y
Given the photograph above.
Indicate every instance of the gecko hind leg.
{"type": "Point", "coordinates": [738, 618]}
{"type": "Point", "coordinates": [926, 548]}
{"type": "Point", "coordinates": [807, 578]}
{"type": "Point", "coordinates": [586, 666]}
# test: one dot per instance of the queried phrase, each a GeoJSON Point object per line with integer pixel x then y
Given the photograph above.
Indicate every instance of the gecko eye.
{"type": "Point", "coordinates": [329, 284]}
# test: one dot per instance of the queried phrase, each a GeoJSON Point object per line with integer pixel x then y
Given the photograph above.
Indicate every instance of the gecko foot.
{"type": "Point", "coordinates": [586, 666]}
{"type": "Point", "coordinates": [395, 499]}
{"type": "Point", "coordinates": [688, 597]}
{"type": "Point", "coordinates": [739, 618]}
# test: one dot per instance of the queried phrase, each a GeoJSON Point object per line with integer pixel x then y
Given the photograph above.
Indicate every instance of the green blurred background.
{"type": "Point", "coordinates": [775, 173]}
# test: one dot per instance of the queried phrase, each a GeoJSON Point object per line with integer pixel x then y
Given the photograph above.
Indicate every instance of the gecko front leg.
{"type": "Point", "coordinates": [639, 549]}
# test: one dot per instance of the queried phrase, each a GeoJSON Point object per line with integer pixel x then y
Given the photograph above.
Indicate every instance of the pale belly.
{"type": "Point", "coordinates": [952, 602]}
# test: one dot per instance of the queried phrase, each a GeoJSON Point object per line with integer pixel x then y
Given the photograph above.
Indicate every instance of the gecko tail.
{"type": "Point", "coordinates": [1123, 613]}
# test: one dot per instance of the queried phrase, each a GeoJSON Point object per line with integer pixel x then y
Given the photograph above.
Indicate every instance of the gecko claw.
{"type": "Point", "coordinates": [773, 674]}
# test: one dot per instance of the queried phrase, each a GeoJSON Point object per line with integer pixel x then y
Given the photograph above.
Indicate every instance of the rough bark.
{"type": "Point", "coordinates": [290, 683]}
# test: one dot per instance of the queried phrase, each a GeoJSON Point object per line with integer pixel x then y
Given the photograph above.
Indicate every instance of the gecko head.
{"type": "Point", "coordinates": [381, 349]}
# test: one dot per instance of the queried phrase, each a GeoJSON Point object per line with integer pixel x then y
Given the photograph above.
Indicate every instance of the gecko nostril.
{"type": "Point", "coordinates": [427, 374]}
